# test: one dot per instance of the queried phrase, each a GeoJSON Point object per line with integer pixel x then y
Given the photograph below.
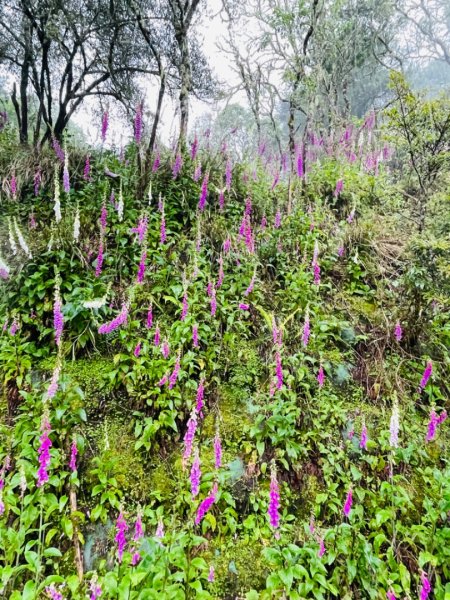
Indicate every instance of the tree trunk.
{"type": "Point", "coordinates": [185, 75]}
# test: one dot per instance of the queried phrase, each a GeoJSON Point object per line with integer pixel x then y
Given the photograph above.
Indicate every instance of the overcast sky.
{"type": "Point", "coordinates": [210, 31]}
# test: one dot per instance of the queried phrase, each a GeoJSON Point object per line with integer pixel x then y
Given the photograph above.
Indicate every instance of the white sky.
{"type": "Point", "coordinates": [211, 29]}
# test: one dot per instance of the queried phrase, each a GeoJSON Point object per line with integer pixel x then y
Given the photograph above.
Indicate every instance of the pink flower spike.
{"type": "Point", "coordinates": [274, 499]}
{"type": "Point", "coordinates": [432, 425]}
{"type": "Point", "coordinates": [348, 503]}
{"type": "Point", "coordinates": [73, 457]}
{"type": "Point", "coordinates": [120, 538]}
{"type": "Point", "coordinates": [137, 350]}
{"type": "Point", "coordinates": [425, 589]}
{"type": "Point", "coordinates": [195, 336]}
{"type": "Point", "coordinates": [243, 306]}
{"type": "Point", "coordinates": [363, 442]}
{"type": "Point", "coordinates": [149, 322]}
{"type": "Point", "coordinates": [390, 595]}
{"type": "Point", "coordinates": [426, 375]}
{"type": "Point", "coordinates": [157, 336]}
{"type": "Point", "coordinates": [205, 505]}
{"type": "Point", "coordinates": [200, 394]}
{"type": "Point", "coordinates": [217, 450]}
{"type": "Point", "coordinates": [398, 331]}
{"type": "Point", "coordinates": [321, 551]}
{"type": "Point", "coordinates": [195, 475]}
{"type": "Point", "coordinates": [321, 377]}
{"type": "Point", "coordinates": [211, 574]}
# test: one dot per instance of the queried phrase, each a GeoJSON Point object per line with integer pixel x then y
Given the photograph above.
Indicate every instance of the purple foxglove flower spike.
{"type": "Point", "coordinates": [73, 456]}
{"type": "Point", "coordinates": [363, 441]}
{"type": "Point", "coordinates": [105, 121]}
{"type": "Point", "coordinates": [177, 166]}
{"type": "Point", "coordinates": [195, 475]}
{"type": "Point", "coordinates": [211, 574]}
{"type": "Point", "coordinates": [121, 319]}
{"type": "Point", "coordinates": [398, 331]}
{"type": "Point", "coordinates": [189, 436]}
{"type": "Point", "coordinates": [348, 503]}
{"type": "Point", "coordinates": [339, 187]}
{"type": "Point", "coordinates": [321, 377]}
{"type": "Point", "coordinates": [122, 528]}
{"type": "Point", "coordinates": [274, 499]}
{"type": "Point", "coordinates": [217, 450]}
{"type": "Point", "coordinates": [137, 350]}
{"type": "Point", "coordinates": [149, 322]}
{"type": "Point", "coordinates": [321, 550]}
{"type": "Point", "coordinates": [199, 399]}
{"type": "Point", "coordinates": [425, 589]}
{"type": "Point", "coordinates": [205, 505]}
{"type": "Point", "coordinates": [203, 193]}
{"type": "Point", "coordinates": [44, 451]}
{"type": "Point", "coordinates": [426, 375]}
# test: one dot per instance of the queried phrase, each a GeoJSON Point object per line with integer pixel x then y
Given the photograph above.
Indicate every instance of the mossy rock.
{"type": "Point", "coordinates": [234, 577]}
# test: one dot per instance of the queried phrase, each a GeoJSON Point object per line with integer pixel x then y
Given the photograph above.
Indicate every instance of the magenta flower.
{"type": "Point", "coordinates": [189, 436]}
{"type": "Point", "coordinates": [425, 589]}
{"type": "Point", "coordinates": [363, 441]}
{"type": "Point", "coordinates": [141, 229]}
{"type": "Point", "coordinates": [217, 450]}
{"type": "Point", "coordinates": [203, 193]}
{"type": "Point", "coordinates": [53, 387]}
{"type": "Point", "coordinates": [321, 551]}
{"type": "Point", "coordinates": [398, 331]}
{"type": "Point", "coordinates": [341, 251]}
{"type": "Point", "coordinates": [221, 199]}
{"type": "Point", "coordinates": [174, 376]}
{"type": "Point", "coordinates": [58, 319]}
{"type": "Point", "coordinates": [95, 589]}
{"type": "Point", "coordinates": [157, 336]}
{"type": "Point", "coordinates": [205, 505]}
{"type": "Point", "coordinates": [426, 375]}
{"type": "Point", "coordinates": [243, 306]}
{"type": "Point", "coordinates": [137, 350]}
{"type": "Point", "coordinates": [274, 499]}
{"type": "Point", "coordinates": [14, 327]}
{"type": "Point", "coordinates": [339, 187]}
{"type": "Point", "coordinates": [160, 529]}
{"type": "Point", "coordinates": [263, 224]}
{"type": "Point", "coordinates": [394, 425]}
{"type": "Point", "coordinates": [44, 451]}
{"type": "Point", "coordinates": [98, 268]}
{"type": "Point", "coordinates": [277, 223]}
{"type": "Point", "coordinates": [390, 595]}
{"type": "Point", "coordinates": [163, 381]}
{"type": "Point", "coordinates": [194, 148]}
{"type": "Point", "coordinates": [105, 120]}
{"type": "Point", "coordinates": [37, 182]}
{"type": "Point", "coordinates": [138, 529]}
{"type": "Point", "coordinates": [53, 593]}
{"type": "Point", "coordinates": [120, 538]}
{"type": "Point", "coordinates": [135, 558]}
{"type": "Point", "coordinates": [141, 269]}
{"type": "Point", "coordinates": [321, 376]}
{"type": "Point", "coordinates": [195, 475]}
{"type": "Point", "coordinates": [149, 322]}
{"type": "Point", "coordinates": [300, 171]}
{"type": "Point", "coordinates": [306, 330]}
{"type": "Point", "coordinates": [177, 166]}
{"type": "Point", "coordinates": [163, 233]}
{"type": "Point", "coordinates": [227, 245]}
{"type": "Point", "coordinates": [138, 124]}
{"type": "Point", "coordinates": [348, 503]}
{"type": "Point", "coordinates": [103, 217]}
{"type": "Point", "coordinates": [73, 456]}
{"type": "Point", "coordinates": [195, 336]}
{"type": "Point", "coordinates": [121, 319]}
{"type": "Point", "coordinates": [185, 307]}
{"type": "Point", "coordinates": [211, 574]}
{"type": "Point", "coordinates": [58, 150]}
{"type": "Point", "coordinates": [351, 216]}
{"type": "Point", "coordinates": [249, 290]}
{"type": "Point", "coordinates": [200, 394]}
{"type": "Point", "coordinates": [312, 525]}
{"type": "Point", "coordinates": [213, 301]}
{"type": "Point", "coordinates": [156, 162]}
{"type": "Point", "coordinates": [442, 417]}
{"type": "Point", "coordinates": [432, 425]}
{"type": "Point", "coordinates": [165, 349]}
{"type": "Point", "coordinates": [228, 174]}
{"type": "Point", "coordinates": [279, 370]}
{"type": "Point", "coordinates": [197, 172]}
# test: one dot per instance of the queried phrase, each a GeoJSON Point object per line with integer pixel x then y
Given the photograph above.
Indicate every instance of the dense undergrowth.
{"type": "Point", "coordinates": [318, 320]}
